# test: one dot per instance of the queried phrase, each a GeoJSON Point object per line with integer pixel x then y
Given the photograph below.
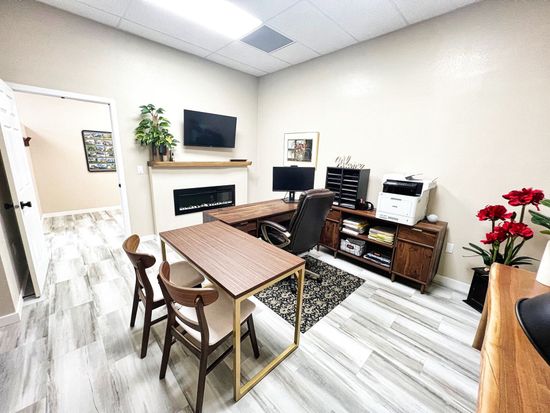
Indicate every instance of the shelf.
{"type": "Point", "coordinates": [368, 240]}
{"type": "Point", "coordinates": [178, 165]}
{"type": "Point", "coordinates": [366, 261]}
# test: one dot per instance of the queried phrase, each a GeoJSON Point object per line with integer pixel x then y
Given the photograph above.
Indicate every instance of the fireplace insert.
{"type": "Point", "coordinates": [187, 201]}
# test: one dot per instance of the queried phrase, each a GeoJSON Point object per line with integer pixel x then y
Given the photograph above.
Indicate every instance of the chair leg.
{"type": "Point", "coordinates": [202, 380]}
{"type": "Point", "coordinates": [253, 340]}
{"type": "Point", "coordinates": [166, 351]}
{"type": "Point", "coordinates": [134, 306]}
{"type": "Point", "coordinates": [146, 329]}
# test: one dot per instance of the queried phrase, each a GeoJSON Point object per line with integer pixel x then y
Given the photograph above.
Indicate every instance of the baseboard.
{"type": "Point", "coordinates": [13, 317]}
{"type": "Point", "coordinates": [451, 283]}
{"type": "Point", "coordinates": [79, 211]}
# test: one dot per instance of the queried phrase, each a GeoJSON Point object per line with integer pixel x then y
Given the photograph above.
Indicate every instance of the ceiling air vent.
{"type": "Point", "coordinates": [266, 39]}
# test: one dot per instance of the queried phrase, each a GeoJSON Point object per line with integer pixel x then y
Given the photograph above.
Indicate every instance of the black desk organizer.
{"type": "Point", "coordinates": [349, 185]}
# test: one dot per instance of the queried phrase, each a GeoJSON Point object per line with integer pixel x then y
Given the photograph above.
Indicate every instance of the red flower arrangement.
{"type": "Point", "coordinates": [509, 231]}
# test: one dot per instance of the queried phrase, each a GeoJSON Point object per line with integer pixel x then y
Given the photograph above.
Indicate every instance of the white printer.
{"type": "Point", "coordinates": [404, 199]}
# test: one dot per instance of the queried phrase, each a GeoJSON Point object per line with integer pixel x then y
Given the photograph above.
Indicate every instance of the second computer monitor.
{"type": "Point", "coordinates": [291, 178]}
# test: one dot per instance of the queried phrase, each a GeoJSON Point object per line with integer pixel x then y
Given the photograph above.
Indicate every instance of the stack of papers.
{"type": "Point", "coordinates": [382, 234]}
{"type": "Point", "coordinates": [381, 259]}
{"type": "Point", "coordinates": [354, 226]}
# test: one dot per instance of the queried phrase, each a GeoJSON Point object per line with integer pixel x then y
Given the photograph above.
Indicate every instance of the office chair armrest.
{"type": "Point", "coordinates": [277, 228]}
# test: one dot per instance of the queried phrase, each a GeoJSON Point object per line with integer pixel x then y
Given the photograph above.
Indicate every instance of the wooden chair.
{"type": "Point", "coordinates": [148, 292]}
{"type": "Point", "coordinates": [201, 319]}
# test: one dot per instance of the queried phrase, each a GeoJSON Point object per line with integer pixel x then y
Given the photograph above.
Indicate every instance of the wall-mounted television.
{"type": "Point", "coordinates": [208, 129]}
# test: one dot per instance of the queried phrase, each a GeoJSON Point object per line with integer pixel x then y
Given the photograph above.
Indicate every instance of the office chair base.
{"type": "Point", "coordinates": [314, 275]}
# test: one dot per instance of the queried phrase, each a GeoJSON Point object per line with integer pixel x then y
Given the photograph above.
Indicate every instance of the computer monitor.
{"type": "Point", "coordinates": [292, 178]}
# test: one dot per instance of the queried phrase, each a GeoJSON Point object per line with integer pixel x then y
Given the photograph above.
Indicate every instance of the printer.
{"type": "Point", "coordinates": [404, 199]}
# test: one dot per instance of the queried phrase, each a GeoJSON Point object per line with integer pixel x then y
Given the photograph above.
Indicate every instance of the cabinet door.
{"type": "Point", "coordinates": [330, 233]}
{"type": "Point", "coordinates": [412, 260]}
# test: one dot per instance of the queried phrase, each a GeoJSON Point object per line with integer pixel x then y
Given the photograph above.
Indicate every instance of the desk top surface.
{"type": "Point", "coordinates": [237, 262]}
{"type": "Point", "coordinates": [256, 210]}
{"type": "Point", "coordinates": [514, 377]}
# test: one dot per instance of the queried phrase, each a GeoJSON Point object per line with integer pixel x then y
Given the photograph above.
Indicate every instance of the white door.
{"type": "Point", "coordinates": [21, 188]}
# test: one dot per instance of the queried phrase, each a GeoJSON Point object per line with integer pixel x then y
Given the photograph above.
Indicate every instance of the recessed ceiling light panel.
{"type": "Point", "coordinates": [220, 16]}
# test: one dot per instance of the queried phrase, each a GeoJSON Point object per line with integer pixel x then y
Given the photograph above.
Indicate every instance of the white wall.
{"type": "Point", "coordinates": [463, 97]}
{"type": "Point", "coordinates": [57, 152]}
{"type": "Point", "coordinates": [47, 47]}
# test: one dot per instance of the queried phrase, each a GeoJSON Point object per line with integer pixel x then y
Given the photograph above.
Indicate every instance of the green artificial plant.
{"type": "Point", "coordinates": [540, 219]}
{"type": "Point", "coordinates": [153, 128]}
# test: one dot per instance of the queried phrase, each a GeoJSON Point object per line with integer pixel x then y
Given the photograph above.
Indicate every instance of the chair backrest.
{"type": "Point", "coordinates": [140, 262]}
{"type": "Point", "coordinates": [187, 297]}
{"type": "Point", "coordinates": [307, 222]}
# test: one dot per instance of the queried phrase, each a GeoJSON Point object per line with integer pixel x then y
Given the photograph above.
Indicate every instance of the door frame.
{"type": "Point", "coordinates": [18, 87]}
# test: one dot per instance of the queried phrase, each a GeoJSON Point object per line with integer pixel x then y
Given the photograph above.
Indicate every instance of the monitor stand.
{"type": "Point", "coordinates": [291, 197]}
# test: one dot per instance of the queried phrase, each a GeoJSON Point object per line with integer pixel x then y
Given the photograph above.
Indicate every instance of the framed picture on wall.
{"type": "Point", "coordinates": [300, 149]}
{"type": "Point", "coordinates": [99, 152]}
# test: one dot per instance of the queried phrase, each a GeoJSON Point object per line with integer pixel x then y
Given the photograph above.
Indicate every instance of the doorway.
{"type": "Point", "coordinates": [76, 154]}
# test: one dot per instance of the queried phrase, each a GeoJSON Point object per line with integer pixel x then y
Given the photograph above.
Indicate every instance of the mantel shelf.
{"type": "Point", "coordinates": [179, 165]}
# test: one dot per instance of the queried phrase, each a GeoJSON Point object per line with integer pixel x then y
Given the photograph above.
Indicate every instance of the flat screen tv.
{"type": "Point", "coordinates": [208, 129]}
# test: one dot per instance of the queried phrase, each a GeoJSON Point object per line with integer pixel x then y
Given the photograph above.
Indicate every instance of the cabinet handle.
{"type": "Point", "coordinates": [417, 229]}
{"type": "Point", "coordinates": [25, 204]}
{"type": "Point", "coordinates": [243, 223]}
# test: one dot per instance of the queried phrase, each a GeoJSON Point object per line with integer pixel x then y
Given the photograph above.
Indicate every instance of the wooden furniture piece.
{"type": "Point", "coordinates": [246, 217]}
{"type": "Point", "coordinates": [414, 254]}
{"type": "Point", "coordinates": [200, 319]}
{"type": "Point", "coordinates": [202, 164]}
{"type": "Point", "coordinates": [349, 185]}
{"type": "Point", "coordinates": [148, 292]}
{"type": "Point", "coordinates": [242, 266]}
{"type": "Point", "coordinates": [514, 377]}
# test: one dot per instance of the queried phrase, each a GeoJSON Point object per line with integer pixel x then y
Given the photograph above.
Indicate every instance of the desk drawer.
{"type": "Point", "coordinates": [281, 218]}
{"type": "Point", "coordinates": [334, 215]}
{"type": "Point", "coordinates": [417, 235]}
{"type": "Point", "coordinates": [247, 226]}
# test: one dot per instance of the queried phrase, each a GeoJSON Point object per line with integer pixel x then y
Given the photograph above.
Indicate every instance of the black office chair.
{"type": "Point", "coordinates": [304, 230]}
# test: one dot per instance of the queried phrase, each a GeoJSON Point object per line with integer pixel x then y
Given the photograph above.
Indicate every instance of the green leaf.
{"type": "Point", "coordinates": [545, 202]}
{"type": "Point", "coordinates": [546, 232]}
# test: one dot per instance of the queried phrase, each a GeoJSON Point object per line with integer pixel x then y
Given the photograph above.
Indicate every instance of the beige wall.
{"type": "Point", "coordinates": [463, 97]}
{"type": "Point", "coordinates": [57, 152]}
{"type": "Point", "coordinates": [66, 52]}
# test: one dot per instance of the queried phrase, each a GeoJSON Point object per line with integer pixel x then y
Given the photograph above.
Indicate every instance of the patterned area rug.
{"type": "Point", "coordinates": [320, 296]}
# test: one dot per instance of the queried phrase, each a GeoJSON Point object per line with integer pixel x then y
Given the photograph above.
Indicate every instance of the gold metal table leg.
{"type": "Point", "coordinates": [241, 390]}
{"type": "Point", "coordinates": [163, 249]}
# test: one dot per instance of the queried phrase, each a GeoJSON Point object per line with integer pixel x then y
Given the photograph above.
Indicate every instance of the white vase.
{"type": "Point", "coordinates": [543, 274]}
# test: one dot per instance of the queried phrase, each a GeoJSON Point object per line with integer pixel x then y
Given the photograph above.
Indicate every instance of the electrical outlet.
{"type": "Point", "coordinates": [140, 170]}
{"type": "Point", "coordinates": [449, 249]}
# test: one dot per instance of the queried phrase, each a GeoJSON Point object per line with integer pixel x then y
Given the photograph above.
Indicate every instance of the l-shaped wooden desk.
{"type": "Point", "coordinates": [415, 252]}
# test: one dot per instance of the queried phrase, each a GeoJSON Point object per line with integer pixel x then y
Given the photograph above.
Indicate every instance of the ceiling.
{"type": "Point", "coordinates": [316, 27]}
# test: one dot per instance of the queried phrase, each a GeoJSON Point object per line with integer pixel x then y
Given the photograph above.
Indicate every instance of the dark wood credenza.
{"type": "Point", "coordinates": [415, 252]}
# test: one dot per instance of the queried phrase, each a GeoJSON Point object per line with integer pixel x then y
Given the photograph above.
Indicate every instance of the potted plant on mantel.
{"type": "Point", "coordinates": [507, 237]}
{"type": "Point", "coordinates": [153, 130]}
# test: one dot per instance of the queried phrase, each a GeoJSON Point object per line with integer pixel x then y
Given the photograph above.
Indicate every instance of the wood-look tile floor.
{"type": "Point", "coordinates": [386, 348]}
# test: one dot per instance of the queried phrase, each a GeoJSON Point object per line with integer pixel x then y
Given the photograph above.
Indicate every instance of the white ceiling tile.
{"type": "Point", "coordinates": [415, 11]}
{"type": "Point", "coordinates": [111, 6]}
{"type": "Point", "coordinates": [306, 24]}
{"type": "Point", "coordinates": [295, 53]}
{"type": "Point", "coordinates": [251, 56]}
{"type": "Point", "coordinates": [264, 9]}
{"type": "Point", "coordinates": [160, 19]}
{"type": "Point", "coordinates": [84, 10]}
{"type": "Point", "coordinates": [162, 38]}
{"type": "Point", "coordinates": [363, 19]}
{"type": "Point", "coordinates": [235, 65]}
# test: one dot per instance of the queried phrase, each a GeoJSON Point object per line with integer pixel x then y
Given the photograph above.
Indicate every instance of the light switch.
{"type": "Point", "coordinates": [449, 249]}
{"type": "Point", "coordinates": [140, 170]}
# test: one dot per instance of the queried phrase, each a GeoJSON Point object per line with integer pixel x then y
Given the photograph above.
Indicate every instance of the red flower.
{"type": "Point", "coordinates": [498, 235]}
{"type": "Point", "coordinates": [518, 229]}
{"type": "Point", "coordinates": [494, 213]}
{"type": "Point", "coordinates": [525, 197]}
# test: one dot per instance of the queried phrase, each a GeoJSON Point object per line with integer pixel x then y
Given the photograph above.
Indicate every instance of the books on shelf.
{"type": "Point", "coordinates": [354, 226]}
{"type": "Point", "coordinates": [378, 258]}
{"type": "Point", "coordinates": [382, 234]}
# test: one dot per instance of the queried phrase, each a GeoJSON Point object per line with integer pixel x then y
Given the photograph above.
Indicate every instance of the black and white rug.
{"type": "Point", "coordinates": [320, 296]}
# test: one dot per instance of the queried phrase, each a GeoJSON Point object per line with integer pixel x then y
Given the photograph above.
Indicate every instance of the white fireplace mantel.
{"type": "Point", "coordinates": [164, 179]}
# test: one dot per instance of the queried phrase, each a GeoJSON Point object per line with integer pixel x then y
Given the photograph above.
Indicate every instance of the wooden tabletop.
{"type": "Point", "coordinates": [514, 377]}
{"type": "Point", "coordinates": [237, 262]}
{"type": "Point", "coordinates": [256, 210]}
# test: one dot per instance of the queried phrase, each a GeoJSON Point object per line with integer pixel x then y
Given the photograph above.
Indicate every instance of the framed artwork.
{"type": "Point", "coordinates": [99, 152]}
{"type": "Point", "coordinates": [301, 149]}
